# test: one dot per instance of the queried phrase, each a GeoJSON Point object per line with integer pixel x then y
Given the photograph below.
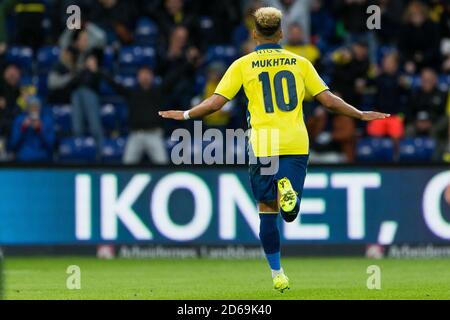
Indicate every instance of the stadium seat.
{"type": "Point", "coordinates": [206, 28]}
{"type": "Point", "coordinates": [129, 81]}
{"type": "Point", "coordinates": [22, 56]}
{"type": "Point", "coordinates": [382, 51]}
{"type": "Point", "coordinates": [444, 82]}
{"type": "Point", "coordinates": [375, 150]}
{"type": "Point", "coordinates": [46, 58]}
{"type": "Point", "coordinates": [105, 89]}
{"type": "Point", "coordinates": [42, 86]}
{"type": "Point", "coordinates": [146, 33]}
{"type": "Point", "coordinates": [108, 59]}
{"type": "Point", "coordinates": [62, 115]}
{"type": "Point", "coordinates": [114, 117]}
{"type": "Point", "coordinates": [417, 149]}
{"type": "Point", "coordinates": [113, 150]}
{"type": "Point", "coordinates": [28, 80]}
{"type": "Point", "coordinates": [240, 35]}
{"type": "Point", "coordinates": [225, 54]}
{"type": "Point", "coordinates": [109, 95]}
{"type": "Point", "coordinates": [77, 150]}
{"type": "Point", "coordinates": [131, 58]}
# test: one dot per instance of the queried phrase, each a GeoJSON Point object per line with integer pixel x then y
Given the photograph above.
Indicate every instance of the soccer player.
{"type": "Point", "coordinates": [275, 82]}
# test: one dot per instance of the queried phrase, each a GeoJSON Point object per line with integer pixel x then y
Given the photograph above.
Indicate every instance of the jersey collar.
{"type": "Point", "coordinates": [268, 46]}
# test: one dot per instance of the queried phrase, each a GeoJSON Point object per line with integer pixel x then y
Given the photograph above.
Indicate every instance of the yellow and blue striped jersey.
{"type": "Point", "coordinates": [275, 81]}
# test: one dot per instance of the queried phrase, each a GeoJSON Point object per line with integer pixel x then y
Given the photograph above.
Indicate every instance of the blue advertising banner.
{"type": "Point", "coordinates": [215, 206]}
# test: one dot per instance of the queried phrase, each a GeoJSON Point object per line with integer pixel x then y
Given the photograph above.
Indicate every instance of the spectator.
{"type": "Point", "coordinates": [242, 33]}
{"type": "Point", "coordinates": [29, 22]}
{"type": "Point", "coordinates": [85, 102]}
{"type": "Point", "coordinates": [88, 40]}
{"type": "Point", "coordinates": [294, 11]}
{"type": "Point", "coordinates": [116, 18]}
{"type": "Point", "coordinates": [390, 11]}
{"type": "Point", "coordinates": [427, 109]}
{"type": "Point", "coordinates": [61, 78]}
{"type": "Point", "coordinates": [323, 25]}
{"type": "Point", "coordinates": [32, 137]}
{"type": "Point", "coordinates": [296, 43]}
{"type": "Point", "coordinates": [144, 102]}
{"type": "Point", "coordinates": [331, 145]}
{"type": "Point", "coordinates": [173, 58]}
{"type": "Point", "coordinates": [444, 20]}
{"type": "Point", "coordinates": [173, 14]}
{"type": "Point", "coordinates": [389, 100]}
{"type": "Point", "coordinates": [419, 39]}
{"type": "Point", "coordinates": [223, 15]}
{"type": "Point", "coordinates": [221, 118]}
{"type": "Point", "coordinates": [351, 72]}
{"type": "Point", "coordinates": [444, 26]}
{"type": "Point", "coordinates": [9, 93]}
{"type": "Point", "coordinates": [354, 19]}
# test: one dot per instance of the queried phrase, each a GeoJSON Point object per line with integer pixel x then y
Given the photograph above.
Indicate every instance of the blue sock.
{"type": "Point", "coordinates": [291, 216]}
{"type": "Point", "coordinates": [270, 239]}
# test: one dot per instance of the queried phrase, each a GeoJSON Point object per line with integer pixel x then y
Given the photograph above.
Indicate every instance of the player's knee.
{"type": "Point", "coordinates": [268, 207]}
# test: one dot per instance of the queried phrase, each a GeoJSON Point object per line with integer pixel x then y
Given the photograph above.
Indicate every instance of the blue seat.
{"type": "Point", "coordinates": [21, 56]}
{"type": "Point", "coordinates": [240, 35]}
{"type": "Point", "coordinates": [206, 29]}
{"type": "Point", "coordinates": [114, 117]}
{"type": "Point", "coordinates": [375, 150]}
{"type": "Point", "coordinates": [46, 58]}
{"type": "Point", "coordinates": [105, 89]}
{"type": "Point", "coordinates": [77, 150]}
{"type": "Point", "coordinates": [42, 87]}
{"type": "Point", "coordinates": [382, 51]}
{"type": "Point", "coordinates": [417, 149]}
{"type": "Point", "coordinates": [131, 58]}
{"type": "Point", "coordinates": [108, 59]}
{"type": "Point", "coordinates": [62, 115]}
{"type": "Point", "coordinates": [127, 80]}
{"type": "Point", "coordinates": [225, 54]}
{"type": "Point", "coordinates": [113, 150]}
{"type": "Point", "coordinates": [28, 80]}
{"type": "Point", "coordinates": [146, 33]}
{"type": "Point", "coordinates": [444, 82]}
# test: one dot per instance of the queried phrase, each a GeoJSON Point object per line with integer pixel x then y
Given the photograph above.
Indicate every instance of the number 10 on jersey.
{"type": "Point", "coordinates": [277, 88]}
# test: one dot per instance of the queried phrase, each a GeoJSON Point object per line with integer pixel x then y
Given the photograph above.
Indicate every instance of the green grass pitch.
{"type": "Point", "coordinates": [311, 278]}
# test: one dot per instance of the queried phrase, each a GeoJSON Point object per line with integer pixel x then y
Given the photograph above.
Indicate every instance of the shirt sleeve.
{"type": "Point", "coordinates": [313, 82]}
{"type": "Point", "coordinates": [231, 82]}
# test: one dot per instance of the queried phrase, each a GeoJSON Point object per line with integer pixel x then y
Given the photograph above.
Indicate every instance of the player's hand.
{"type": "Point", "coordinates": [172, 114]}
{"type": "Point", "coordinates": [370, 116]}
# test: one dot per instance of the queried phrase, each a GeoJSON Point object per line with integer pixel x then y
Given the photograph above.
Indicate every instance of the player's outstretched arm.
{"type": "Point", "coordinates": [208, 106]}
{"type": "Point", "coordinates": [337, 105]}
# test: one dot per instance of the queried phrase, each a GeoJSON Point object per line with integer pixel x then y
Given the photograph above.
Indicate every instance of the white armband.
{"type": "Point", "coordinates": [186, 115]}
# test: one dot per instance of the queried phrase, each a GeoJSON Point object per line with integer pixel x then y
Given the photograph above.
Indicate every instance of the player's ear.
{"type": "Point", "coordinates": [255, 34]}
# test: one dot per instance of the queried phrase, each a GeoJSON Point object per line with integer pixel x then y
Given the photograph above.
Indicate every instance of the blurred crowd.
{"type": "Point", "coordinates": [92, 95]}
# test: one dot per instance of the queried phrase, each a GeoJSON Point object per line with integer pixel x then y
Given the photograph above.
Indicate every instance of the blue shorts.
{"type": "Point", "coordinates": [265, 187]}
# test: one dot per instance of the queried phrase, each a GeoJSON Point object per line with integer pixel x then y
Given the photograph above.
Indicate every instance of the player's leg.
{"type": "Point", "coordinates": [264, 190]}
{"type": "Point", "coordinates": [291, 179]}
{"type": "Point", "coordinates": [269, 235]}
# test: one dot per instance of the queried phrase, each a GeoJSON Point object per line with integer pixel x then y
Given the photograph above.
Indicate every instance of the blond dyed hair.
{"type": "Point", "coordinates": [268, 21]}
